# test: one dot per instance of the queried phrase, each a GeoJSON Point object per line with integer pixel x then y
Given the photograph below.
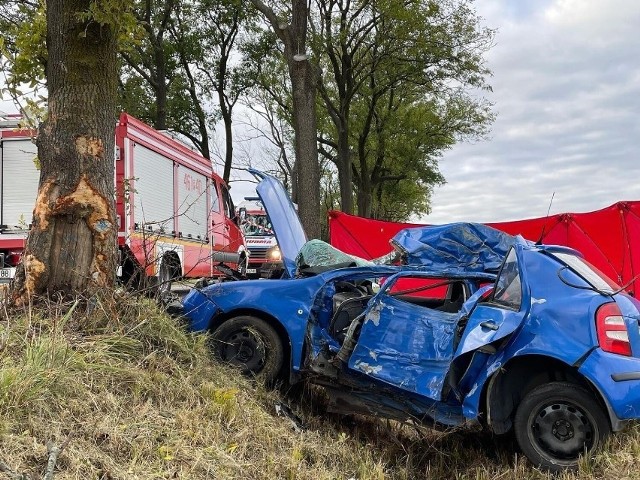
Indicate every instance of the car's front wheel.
{"type": "Point", "coordinates": [557, 423]}
{"type": "Point", "coordinates": [250, 344]}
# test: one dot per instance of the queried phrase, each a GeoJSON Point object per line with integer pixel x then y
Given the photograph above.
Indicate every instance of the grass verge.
{"type": "Point", "coordinates": [138, 398]}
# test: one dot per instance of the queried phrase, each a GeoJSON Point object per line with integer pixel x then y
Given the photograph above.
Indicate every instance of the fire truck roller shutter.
{"type": "Point", "coordinates": [192, 204]}
{"type": "Point", "coordinates": [153, 198]}
{"type": "Point", "coordinates": [20, 179]}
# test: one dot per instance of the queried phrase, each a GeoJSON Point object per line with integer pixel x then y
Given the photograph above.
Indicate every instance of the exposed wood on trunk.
{"type": "Point", "coordinates": [71, 247]}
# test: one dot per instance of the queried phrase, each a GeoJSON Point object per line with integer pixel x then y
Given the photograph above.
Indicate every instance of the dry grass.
{"type": "Point", "coordinates": [140, 399]}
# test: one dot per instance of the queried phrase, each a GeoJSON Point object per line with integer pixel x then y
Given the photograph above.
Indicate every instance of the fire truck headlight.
{"type": "Point", "coordinates": [274, 254]}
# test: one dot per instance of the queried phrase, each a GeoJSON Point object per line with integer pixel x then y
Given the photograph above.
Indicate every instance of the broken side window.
{"type": "Point", "coordinates": [508, 291]}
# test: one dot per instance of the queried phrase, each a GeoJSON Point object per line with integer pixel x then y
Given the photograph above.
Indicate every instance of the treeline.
{"type": "Point", "coordinates": [392, 83]}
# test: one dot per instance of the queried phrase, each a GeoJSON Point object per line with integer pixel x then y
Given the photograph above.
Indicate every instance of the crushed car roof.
{"type": "Point", "coordinates": [465, 246]}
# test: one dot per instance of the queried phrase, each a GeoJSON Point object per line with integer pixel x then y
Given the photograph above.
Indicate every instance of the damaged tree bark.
{"type": "Point", "coordinates": [71, 246]}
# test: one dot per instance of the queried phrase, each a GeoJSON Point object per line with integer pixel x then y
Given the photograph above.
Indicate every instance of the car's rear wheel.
{"type": "Point", "coordinates": [250, 344]}
{"type": "Point", "coordinates": [557, 423]}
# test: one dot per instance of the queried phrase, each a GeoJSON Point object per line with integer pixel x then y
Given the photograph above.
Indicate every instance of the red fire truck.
{"type": "Point", "coordinates": [175, 215]}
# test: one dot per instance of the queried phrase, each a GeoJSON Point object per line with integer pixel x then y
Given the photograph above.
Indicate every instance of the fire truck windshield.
{"type": "Point", "coordinates": [256, 226]}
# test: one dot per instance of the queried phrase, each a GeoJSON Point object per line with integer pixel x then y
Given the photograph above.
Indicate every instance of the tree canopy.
{"type": "Point", "coordinates": [385, 86]}
{"type": "Point", "coordinates": [396, 89]}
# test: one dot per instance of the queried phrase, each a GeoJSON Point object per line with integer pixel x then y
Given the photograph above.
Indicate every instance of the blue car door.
{"type": "Point", "coordinates": [504, 311]}
{"type": "Point", "coordinates": [404, 342]}
{"type": "Point", "coordinates": [411, 346]}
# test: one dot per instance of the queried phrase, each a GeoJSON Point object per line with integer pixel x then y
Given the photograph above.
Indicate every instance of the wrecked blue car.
{"type": "Point", "coordinates": [472, 326]}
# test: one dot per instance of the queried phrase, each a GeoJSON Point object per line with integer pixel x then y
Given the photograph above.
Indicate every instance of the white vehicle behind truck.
{"type": "Point", "coordinates": [264, 259]}
{"type": "Point", "coordinates": [175, 216]}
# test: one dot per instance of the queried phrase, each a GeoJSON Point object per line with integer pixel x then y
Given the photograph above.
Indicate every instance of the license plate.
{"type": "Point", "coordinates": [7, 274]}
{"type": "Point", "coordinates": [251, 270]}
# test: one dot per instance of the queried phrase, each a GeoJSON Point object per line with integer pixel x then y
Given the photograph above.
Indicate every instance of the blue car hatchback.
{"type": "Point", "coordinates": [472, 326]}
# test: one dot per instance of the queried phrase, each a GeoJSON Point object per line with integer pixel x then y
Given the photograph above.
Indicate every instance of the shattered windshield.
{"type": "Point", "coordinates": [316, 254]}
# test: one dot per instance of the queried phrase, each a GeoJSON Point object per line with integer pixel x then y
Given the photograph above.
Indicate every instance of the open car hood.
{"type": "Point", "coordinates": [467, 247]}
{"type": "Point", "coordinates": [284, 219]}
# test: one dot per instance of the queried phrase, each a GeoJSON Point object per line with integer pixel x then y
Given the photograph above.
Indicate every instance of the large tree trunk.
{"type": "Point", "coordinates": [303, 83]}
{"type": "Point", "coordinates": [305, 127]}
{"type": "Point", "coordinates": [71, 247]}
{"type": "Point", "coordinates": [364, 196]}
{"type": "Point", "coordinates": [228, 135]}
{"type": "Point", "coordinates": [294, 183]}
{"type": "Point", "coordinates": [160, 122]}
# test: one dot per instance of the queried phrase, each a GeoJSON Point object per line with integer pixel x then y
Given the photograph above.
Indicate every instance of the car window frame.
{"type": "Point", "coordinates": [501, 303]}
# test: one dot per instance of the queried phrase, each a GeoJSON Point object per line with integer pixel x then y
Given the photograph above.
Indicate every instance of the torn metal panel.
{"type": "Point", "coordinates": [394, 405]}
{"type": "Point", "coordinates": [469, 247]}
{"type": "Point", "coordinates": [406, 345]}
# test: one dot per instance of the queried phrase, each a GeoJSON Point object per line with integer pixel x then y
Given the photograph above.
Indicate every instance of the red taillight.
{"type": "Point", "coordinates": [613, 336]}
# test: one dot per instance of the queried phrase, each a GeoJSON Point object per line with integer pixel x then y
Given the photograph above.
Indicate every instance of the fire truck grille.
{"type": "Point", "coordinates": [258, 253]}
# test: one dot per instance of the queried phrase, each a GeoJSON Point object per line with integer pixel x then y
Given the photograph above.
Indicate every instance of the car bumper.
{"type": "Point", "coordinates": [198, 309]}
{"type": "Point", "coordinates": [618, 379]}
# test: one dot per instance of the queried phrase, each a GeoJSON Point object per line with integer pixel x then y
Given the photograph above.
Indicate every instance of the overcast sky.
{"type": "Point", "coordinates": [566, 88]}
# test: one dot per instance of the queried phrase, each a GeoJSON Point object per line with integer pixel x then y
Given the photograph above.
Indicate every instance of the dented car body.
{"type": "Point", "coordinates": [474, 326]}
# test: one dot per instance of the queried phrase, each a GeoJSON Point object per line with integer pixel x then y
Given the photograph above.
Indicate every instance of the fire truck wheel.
{"type": "Point", "coordinates": [242, 266]}
{"type": "Point", "coordinates": [250, 344]}
{"type": "Point", "coordinates": [169, 269]}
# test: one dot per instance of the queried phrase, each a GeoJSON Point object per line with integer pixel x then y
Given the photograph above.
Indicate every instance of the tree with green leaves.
{"type": "Point", "coordinates": [224, 23]}
{"type": "Point", "coordinates": [158, 78]}
{"type": "Point", "coordinates": [269, 98]}
{"type": "Point", "coordinates": [188, 58]}
{"type": "Point", "coordinates": [23, 54]}
{"type": "Point", "coordinates": [290, 26]}
{"type": "Point", "coordinates": [151, 57]}
{"type": "Point", "coordinates": [387, 62]}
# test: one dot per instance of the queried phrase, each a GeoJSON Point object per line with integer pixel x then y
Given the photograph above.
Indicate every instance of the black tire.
{"type": "Point", "coordinates": [167, 273]}
{"type": "Point", "coordinates": [557, 423]}
{"type": "Point", "coordinates": [250, 344]}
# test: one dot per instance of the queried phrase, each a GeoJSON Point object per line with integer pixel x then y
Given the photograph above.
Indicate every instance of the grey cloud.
{"type": "Point", "coordinates": [567, 93]}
